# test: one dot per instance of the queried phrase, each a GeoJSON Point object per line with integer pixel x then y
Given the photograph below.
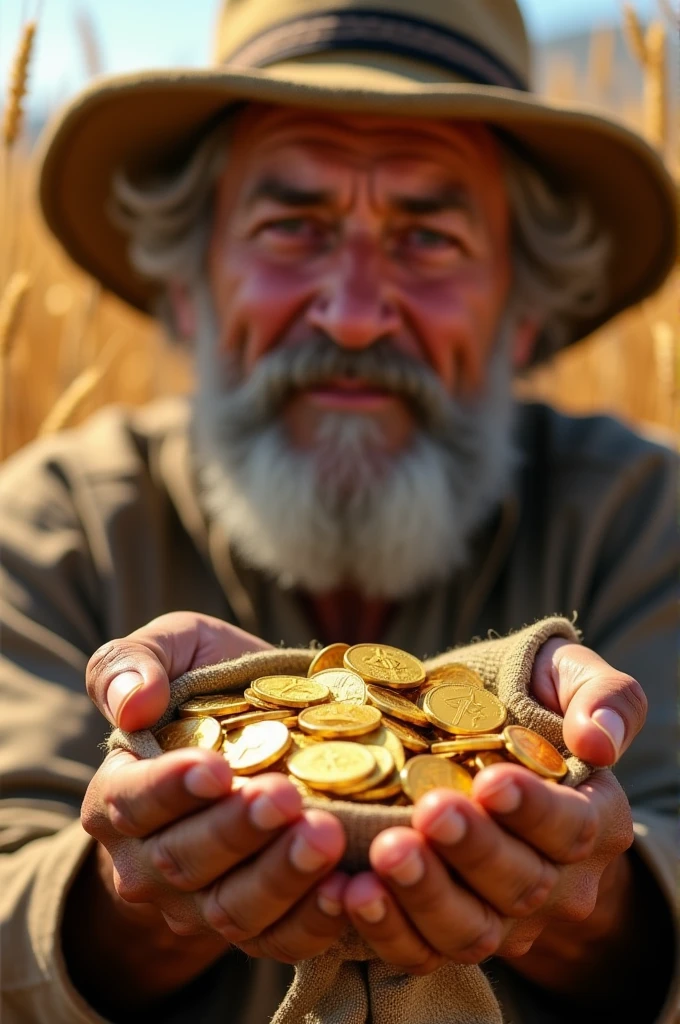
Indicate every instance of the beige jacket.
{"type": "Point", "coordinates": [101, 531]}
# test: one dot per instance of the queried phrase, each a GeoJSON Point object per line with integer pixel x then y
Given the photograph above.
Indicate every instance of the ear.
{"type": "Point", "coordinates": [183, 309]}
{"type": "Point", "coordinates": [524, 342]}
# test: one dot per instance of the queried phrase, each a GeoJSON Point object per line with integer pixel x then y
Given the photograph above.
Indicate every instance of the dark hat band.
{"type": "Point", "coordinates": [377, 30]}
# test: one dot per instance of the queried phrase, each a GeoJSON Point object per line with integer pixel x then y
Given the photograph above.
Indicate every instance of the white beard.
{"type": "Point", "coordinates": [328, 517]}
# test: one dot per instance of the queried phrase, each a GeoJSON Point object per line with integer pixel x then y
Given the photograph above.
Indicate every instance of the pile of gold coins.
{"type": "Point", "coordinates": [367, 724]}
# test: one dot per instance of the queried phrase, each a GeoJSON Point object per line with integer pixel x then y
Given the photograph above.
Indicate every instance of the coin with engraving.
{"type": "Point", "coordinates": [454, 672]}
{"type": "Point", "coordinates": [346, 687]}
{"type": "Point", "coordinates": [466, 744]}
{"type": "Point", "coordinates": [251, 717]}
{"type": "Point", "coordinates": [377, 794]}
{"type": "Point", "coordinates": [485, 758]}
{"type": "Point", "coordinates": [394, 704]}
{"type": "Point", "coordinates": [215, 705]}
{"type": "Point", "coordinates": [459, 708]}
{"type": "Point", "coordinates": [387, 665]}
{"type": "Point", "coordinates": [257, 702]}
{"type": "Point", "coordinates": [531, 750]}
{"type": "Point", "coordinates": [336, 721]}
{"type": "Point", "coordinates": [330, 657]}
{"type": "Point", "coordinates": [255, 747]}
{"type": "Point", "coordinates": [290, 691]}
{"type": "Point", "coordinates": [332, 765]}
{"type": "Point", "coordinates": [386, 738]}
{"type": "Point", "coordinates": [190, 732]}
{"type": "Point", "coordinates": [427, 771]}
{"type": "Point", "coordinates": [384, 767]}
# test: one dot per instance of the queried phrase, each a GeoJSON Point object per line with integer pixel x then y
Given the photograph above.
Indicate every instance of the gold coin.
{"type": "Point", "coordinates": [384, 767]}
{"type": "Point", "coordinates": [332, 765]}
{"type": "Point", "coordinates": [335, 721]}
{"type": "Point", "coordinates": [387, 665]}
{"type": "Point", "coordinates": [214, 705]}
{"type": "Point", "coordinates": [458, 708]}
{"type": "Point", "coordinates": [257, 702]}
{"type": "Point", "coordinates": [190, 732]}
{"type": "Point", "coordinates": [291, 691]}
{"type": "Point", "coordinates": [330, 657]}
{"type": "Point", "coordinates": [396, 705]}
{"type": "Point", "coordinates": [346, 687]}
{"type": "Point", "coordinates": [531, 750]}
{"type": "Point", "coordinates": [252, 717]}
{"type": "Point", "coordinates": [454, 672]}
{"type": "Point", "coordinates": [383, 737]}
{"type": "Point", "coordinates": [256, 746]}
{"type": "Point", "coordinates": [426, 772]}
{"type": "Point", "coordinates": [377, 794]}
{"type": "Point", "coordinates": [485, 741]}
{"type": "Point", "coordinates": [485, 758]}
{"type": "Point", "coordinates": [411, 739]}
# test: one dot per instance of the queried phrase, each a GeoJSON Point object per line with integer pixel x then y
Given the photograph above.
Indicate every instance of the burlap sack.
{"type": "Point", "coordinates": [348, 984]}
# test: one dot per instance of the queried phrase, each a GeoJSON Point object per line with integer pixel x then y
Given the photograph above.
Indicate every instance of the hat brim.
{"type": "Point", "coordinates": [141, 120]}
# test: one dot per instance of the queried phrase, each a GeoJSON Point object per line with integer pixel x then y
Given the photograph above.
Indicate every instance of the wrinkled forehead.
{"type": "Point", "coordinates": [262, 135]}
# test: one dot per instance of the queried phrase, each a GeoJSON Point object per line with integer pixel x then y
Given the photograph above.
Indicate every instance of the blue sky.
{"type": "Point", "coordinates": [147, 33]}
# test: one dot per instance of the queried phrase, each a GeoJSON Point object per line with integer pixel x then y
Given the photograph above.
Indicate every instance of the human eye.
{"type": "Point", "coordinates": [430, 240]}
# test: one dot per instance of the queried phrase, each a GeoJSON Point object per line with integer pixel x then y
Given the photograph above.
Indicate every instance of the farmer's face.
{"type": "Point", "coordinates": [361, 228]}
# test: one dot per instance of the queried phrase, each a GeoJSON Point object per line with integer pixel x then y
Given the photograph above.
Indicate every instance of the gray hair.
{"type": "Point", "coordinates": [559, 252]}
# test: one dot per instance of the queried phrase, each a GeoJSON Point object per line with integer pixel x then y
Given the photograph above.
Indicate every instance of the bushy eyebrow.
{"type": "Point", "coordinates": [286, 194]}
{"type": "Point", "coordinates": [442, 200]}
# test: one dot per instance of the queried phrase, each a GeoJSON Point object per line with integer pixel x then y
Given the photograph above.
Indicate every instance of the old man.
{"type": "Point", "coordinates": [363, 222]}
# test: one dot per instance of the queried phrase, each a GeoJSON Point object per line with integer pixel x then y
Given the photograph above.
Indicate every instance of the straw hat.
{"type": "Point", "coordinates": [452, 59]}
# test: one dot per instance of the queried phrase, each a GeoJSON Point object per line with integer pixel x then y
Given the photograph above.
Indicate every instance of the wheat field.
{"type": "Point", "coordinates": [66, 348]}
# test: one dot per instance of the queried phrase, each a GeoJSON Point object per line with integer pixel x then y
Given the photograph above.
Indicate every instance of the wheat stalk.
{"type": "Point", "coordinates": [635, 37]}
{"type": "Point", "coordinates": [11, 308]}
{"type": "Point", "coordinates": [649, 49]}
{"type": "Point", "coordinates": [14, 111]}
{"type": "Point", "coordinates": [78, 390]}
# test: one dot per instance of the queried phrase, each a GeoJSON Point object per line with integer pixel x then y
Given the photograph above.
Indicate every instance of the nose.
{"type": "Point", "coordinates": [353, 307]}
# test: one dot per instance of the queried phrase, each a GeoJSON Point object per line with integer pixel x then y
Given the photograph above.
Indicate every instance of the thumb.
{"type": "Point", "coordinates": [603, 709]}
{"type": "Point", "coordinates": [129, 678]}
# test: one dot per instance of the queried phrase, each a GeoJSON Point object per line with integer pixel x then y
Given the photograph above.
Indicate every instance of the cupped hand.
{"type": "Point", "coordinates": [487, 875]}
{"type": "Point", "coordinates": [244, 865]}
{"type": "Point", "coordinates": [484, 876]}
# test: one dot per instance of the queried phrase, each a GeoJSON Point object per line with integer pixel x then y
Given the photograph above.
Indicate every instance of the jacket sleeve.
{"type": "Point", "coordinates": [49, 732]}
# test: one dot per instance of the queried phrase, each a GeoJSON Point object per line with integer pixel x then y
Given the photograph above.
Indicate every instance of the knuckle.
{"type": "Point", "coordinates": [99, 666]}
{"type": "Point", "coordinates": [636, 699]}
{"type": "Point", "coordinates": [483, 944]}
{"type": "Point", "coordinates": [165, 861]}
{"type": "Point", "coordinates": [228, 921]}
{"type": "Point", "coordinates": [534, 892]}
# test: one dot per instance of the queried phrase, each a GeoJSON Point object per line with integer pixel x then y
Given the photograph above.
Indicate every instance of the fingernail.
{"type": "Point", "coordinates": [201, 781]}
{"type": "Point", "coordinates": [120, 690]}
{"type": "Point", "coordinates": [264, 813]}
{"type": "Point", "coordinates": [328, 905]}
{"type": "Point", "coordinates": [504, 799]}
{"type": "Point", "coordinates": [448, 828]}
{"type": "Point", "coordinates": [305, 857]}
{"type": "Point", "coordinates": [374, 911]}
{"type": "Point", "coordinates": [410, 870]}
{"type": "Point", "coordinates": [612, 725]}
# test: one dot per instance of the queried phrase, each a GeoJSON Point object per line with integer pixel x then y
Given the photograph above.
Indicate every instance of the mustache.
{"type": "Point", "coordinates": [255, 399]}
